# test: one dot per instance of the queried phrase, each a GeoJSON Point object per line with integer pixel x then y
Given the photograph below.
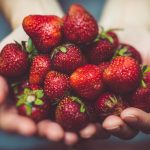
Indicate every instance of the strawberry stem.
{"type": "Point", "coordinates": [82, 106]}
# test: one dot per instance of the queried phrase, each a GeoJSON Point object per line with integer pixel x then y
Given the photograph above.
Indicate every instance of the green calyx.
{"type": "Point", "coordinates": [82, 106]}
{"type": "Point", "coordinates": [122, 52]}
{"type": "Point", "coordinates": [29, 47]}
{"type": "Point", "coordinates": [111, 102]}
{"type": "Point", "coordinates": [30, 98]}
{"type": "Point", "coordinates": [145, 69]}
{"type": "Point", "coordinates": [104, 35]}
{"type": "Point", "coordinates": [62, 48]}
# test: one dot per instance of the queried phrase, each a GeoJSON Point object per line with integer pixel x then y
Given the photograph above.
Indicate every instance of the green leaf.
{"type": "Point", "coordinates": [38, 93]}
{"type": "Point", "coordinates": [122, 51]}
{"type": "Point", "coordinates": [30, 46]}
{"type": "Point", "coordinates": [76, 99]}
{"type": "Point", "coordinates": [27, 91]}
{"type": "Point", "coordinates": [110, 39]}
{"type": "Point", "coordinates": [63, 49]}
{"type": "Point", "coordinates": [82, 109]}
{"type": "Point", "coordinates": [143, 84]}
{"type": "Point", "coordinates": [147, 69]}
{"type": "Point", "coordinates": [82, 106]}
{"type": "Point", "coordinates": [28, 109]}
{"type": "Point", "coordinates": [38, 102]}
{"type": "Point", "coordinates": [21, 102]}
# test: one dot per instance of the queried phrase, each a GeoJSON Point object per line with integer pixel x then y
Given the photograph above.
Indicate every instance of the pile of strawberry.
{"type": "Point", "coordinates": [73, 72]}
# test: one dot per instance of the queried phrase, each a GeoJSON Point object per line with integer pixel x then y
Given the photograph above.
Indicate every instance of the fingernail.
{"type": "Point", "coordinates": [115, 128]}
{"type": "Point", "coordinates": [131, 118]}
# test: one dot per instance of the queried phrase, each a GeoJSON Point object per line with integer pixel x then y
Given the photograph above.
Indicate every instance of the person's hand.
{"type": "Point", "coordinates": [132, 120]}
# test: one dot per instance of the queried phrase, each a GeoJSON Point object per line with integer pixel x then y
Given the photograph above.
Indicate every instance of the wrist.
{"type": "Point", "coordinates": [125, 14]}
{"type": "Point", "coordinates": [18, 9]}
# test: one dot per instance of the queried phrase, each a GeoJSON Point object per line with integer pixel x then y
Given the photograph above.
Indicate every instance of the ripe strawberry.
{"type": "Point", "coordinates": [104, 65]}
{"type": "Point", "coordinates": [71, 114]}
{"type": "Point", "coordinates": [13, 60]}
{"type": "Point", "coordinates": [45, 31]}
{"type": "Point", "coordinates": [41, 64]}
{"type": "Point", "coordinates": [32, 102]}
{"type": "Point", "coordinates": [128, 50]}
{"type": "Point", "coordinates": [66, 58]}
{"type": "Point", "coordinates": [56, 85]}
{"type": "Point", "coordinates": [79, 25]}
{"type": "Point", "coordinates": [141, 97]}
{"type": "Point", "coordinates": [109, 104]}
{"type": "Point", "coordinates": [103, 48]}
{"type": "Point", "coordinates": [123, 75]}
{"type": "Point", "coordinates": [87, 82]}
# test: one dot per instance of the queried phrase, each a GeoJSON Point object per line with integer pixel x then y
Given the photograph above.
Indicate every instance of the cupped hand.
{"type": "Point", "coordinates": [132, 120]}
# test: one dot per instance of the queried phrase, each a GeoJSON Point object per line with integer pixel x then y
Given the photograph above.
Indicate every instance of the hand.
{"type": "Point", "coordinates": [132, 120]}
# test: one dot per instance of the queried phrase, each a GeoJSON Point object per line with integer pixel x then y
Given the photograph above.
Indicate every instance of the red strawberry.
{"type": "Point", "coordinates": [71, 114]}
{"type": "Point", "coordinates": [141, 97]}
{"type": "Point", "coordinates": [33, 103]}
{"type": "Point", "coordinates": [66, 58]}
{"type": "Point", "coordinates": [109, 104]}
{"type": "Point", "coordinates": [13, 60]}
{"type": "Point", "coordinates": [123, 75]}
{"type": "Point", "coordinates": [128, 50]}
{"type": "Point", "coordinates": [56, 85]}
{"type": "Point", "coordinates": [103, 48]}
{"type": "Point", "coordinates": [79, 25]}
{"type": "Point", "coordinates": [45, 31]}
{"type": "Point", "coordinates": [87, 81]}
{"type": "Point", "coordinates": [104, 65]}
{"type": "Point", "coordinates": [40, 66]}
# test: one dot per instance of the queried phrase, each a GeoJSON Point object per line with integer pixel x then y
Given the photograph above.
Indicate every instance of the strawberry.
{"type": "Point", "coordinates": [123, 75]}
{"type": "Point", "coordinates": [141, 97]}
{"type": "Point", "coordinates": [45, 31]}
{"type": "Point", "coordinates": [86, 81]}
{"type": "Point", "coordinates": [40, 66]}
{"type": "Point", "coordinates": [66, 58]}
{"type": "Point", "coordinates": [79, 25]}
{"type": "Point", "coordinates": [109, 104]}
{"type": "Point", "coordinates": [104, 65]}
{"type": "Point", "coordinates": [32, 102]}
{"type": "Point", "coordinates": [71, 114]}
{"type": "Point", "coordinates": [128, 50]}
{"type": "Point", "coordinates": [103, 47]}
{"type": "Point", "coordinates": [56, 85]}
{"type": "Point", "coordinates": [13, 60]}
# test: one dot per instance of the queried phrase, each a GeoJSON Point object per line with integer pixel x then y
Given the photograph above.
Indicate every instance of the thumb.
{"type": "Point", "coordinates": [137, 119]}
{"type": "Point", "coordinates": [3, 89]}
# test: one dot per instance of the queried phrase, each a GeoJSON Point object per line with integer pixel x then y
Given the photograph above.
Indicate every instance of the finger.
{"type": "Point", "coordinates": [94, 130]}
{"type": "Point", "coordinates": [12, 122]}
{"type": "Point", "coordinates": [117, 127]}
{"type": "Point", "coordinates": [137, 119]}
{"type": "Point", "coordinates": [3, 89]}
{"type": "Point", "coordinates": [70, 138]}
{"type": "Point", "coordinates": [50, 130]}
